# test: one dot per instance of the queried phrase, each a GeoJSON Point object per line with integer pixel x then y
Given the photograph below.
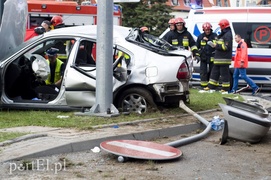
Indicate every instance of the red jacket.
{"type": "Point", "coordinates": [241, 55]}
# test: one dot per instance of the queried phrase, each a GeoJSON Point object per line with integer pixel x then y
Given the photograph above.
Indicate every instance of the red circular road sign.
{"type": "Point", "coordinates": [141, 149]}
{"type": "Point", "coordinates": [262, 34]}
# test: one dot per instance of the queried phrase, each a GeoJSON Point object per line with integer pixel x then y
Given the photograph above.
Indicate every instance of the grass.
{"type": "Point", "coordinates": [198, 102]}
{"type": "Point", "coordinates": [205, 101]}
{"type": "Point", "coordinates": [10, 135]}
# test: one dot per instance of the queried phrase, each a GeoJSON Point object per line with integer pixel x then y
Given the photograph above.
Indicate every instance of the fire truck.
{"type": "Point", "coordinates": [73, 14]}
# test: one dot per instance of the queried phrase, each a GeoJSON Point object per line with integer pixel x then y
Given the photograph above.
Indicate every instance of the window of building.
{"type": "Point", "coordinates": [175, 2]}
{"type": "Point", "coordinates": [187, 2]}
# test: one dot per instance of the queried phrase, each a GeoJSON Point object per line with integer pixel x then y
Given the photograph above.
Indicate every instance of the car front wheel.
{"type": "Point", "coordinates": [137, 100]}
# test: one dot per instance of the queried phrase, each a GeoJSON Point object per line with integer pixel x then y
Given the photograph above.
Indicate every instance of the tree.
{"type": "Point", "coordinates": [153, 14]}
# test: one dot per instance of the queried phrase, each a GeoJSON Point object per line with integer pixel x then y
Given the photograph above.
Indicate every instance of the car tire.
{"type": "Point", "coordinates": [137, 100]}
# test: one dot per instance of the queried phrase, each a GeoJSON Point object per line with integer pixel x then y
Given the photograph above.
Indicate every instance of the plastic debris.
{"type": "Point", "coordinates": [63, 117]}
{"type": "Point", "coordinates": [36, 99]}
{"type": "Point", "coordinates": [203, 91]}
{"type": "Point", "coordinates": [116, 126]}
{"type": "Point", "coordinates": [209, 91]}
{"type": "Point", "coordinates": [96, 149]}
{"type": "Point", "coordinates": [217, 123]}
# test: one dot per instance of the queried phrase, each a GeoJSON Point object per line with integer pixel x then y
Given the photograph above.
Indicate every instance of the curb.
{"type": "Point", "coordinates": [22, 138]}
{"type": "Point", "coordinates": [152, 119]}
{"type": "Point", "coordinates": [89, 144]}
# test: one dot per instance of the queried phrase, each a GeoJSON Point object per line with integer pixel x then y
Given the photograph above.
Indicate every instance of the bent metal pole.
{"type": "Point", "coordinates": [195, 137]}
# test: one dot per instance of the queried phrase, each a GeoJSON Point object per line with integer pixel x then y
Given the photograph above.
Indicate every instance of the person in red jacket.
{"type": "Point", "coordinates": [240, 65]}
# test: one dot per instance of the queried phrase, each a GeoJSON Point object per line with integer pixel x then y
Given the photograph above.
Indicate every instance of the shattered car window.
{"type": "Point", "coordinates": [149, 41]}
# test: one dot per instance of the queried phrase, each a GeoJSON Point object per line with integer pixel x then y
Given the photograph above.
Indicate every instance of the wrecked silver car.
{"type": "Point", "coordinates": [150, 73]}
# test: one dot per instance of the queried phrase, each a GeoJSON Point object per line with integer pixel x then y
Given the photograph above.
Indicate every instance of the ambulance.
{"type": "Point", "coordinates": [253, 24]}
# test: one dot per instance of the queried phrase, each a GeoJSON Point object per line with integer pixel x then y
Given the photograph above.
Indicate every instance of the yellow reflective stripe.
{"type": "Point", "coordinates": [194, 48]}
{"type": "Point", "coordinates": [212, 59]}
{"type": "Point", "coordinates": [224, 63]}
{"type": "Point", "coordinates": [224, 47]}
{"type": "Point", "coordinates": [120, 53]}
{"type": "Point", "coordinates": [204, 83]}
{"type": "Point", "coordinates": [185, 43]}
{"type": "Point", "coordinates": [220, 41]}
{"type": "Point", "coordinates": [175, 42]}
{"type": "Point", "coordinates": [225, 84]}
{"type": "Point", "coordinates": [203, 43]}
{"type": "Point", "coordinates": [126, 56]}
{"type": "Point", "coordinates": [62, 56]}
{"type": "Point", "coordinates": [213, 82]}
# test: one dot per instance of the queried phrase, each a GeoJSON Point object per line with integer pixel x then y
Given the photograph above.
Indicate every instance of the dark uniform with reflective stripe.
{"type": "Point", "coordinates": [222, 60]}
{"type": "Point", "coordinates": [206, 55]}
{"type": "Point", "coordinates": [183, 39]}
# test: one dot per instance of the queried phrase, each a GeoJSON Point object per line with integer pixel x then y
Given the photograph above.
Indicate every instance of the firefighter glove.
{"type": "Point", "coordinates": [197, 58]}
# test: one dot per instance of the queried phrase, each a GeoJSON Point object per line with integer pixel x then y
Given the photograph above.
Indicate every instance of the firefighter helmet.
{"type": "Point", "coordinates": [144, 29]}
{"type": "Point", "coordinates": [206, 26]}
{"type": "Point", "coordinates": [179, 20]}
{"type": "Point", "coordinates": [224, 23]}
{"type": "Point", "coordinates": [56, 20]}
{"type": "Point", "coordinates": [171, 21]}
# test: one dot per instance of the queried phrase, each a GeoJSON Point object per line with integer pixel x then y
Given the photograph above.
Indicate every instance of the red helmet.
{"type": "Point", "coordinates": [144, 29]}
{"type": "Point", "coordinates": [171, 21]}
{"type": "Point", "coordinates": [206, 26]}
{"type": "Point", "coordinates": [224, 23]}
{"type": "Point", "coordinates": [179, 20]}
{"type": "Point", "coordinates": [56, 20]}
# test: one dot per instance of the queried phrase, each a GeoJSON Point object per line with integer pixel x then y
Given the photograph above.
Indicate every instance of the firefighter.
{"type": "Point", "coordinates": [43, 28]}
{"type": "Point", "coordinates": [146, 34]}
{"type": "Point", "coordinates": [182, 38]}
{"type": "Point", "coordinates": [206, 53]}
{"type": "Point", "coordinates": [171, 25]}
{"type": "Point", "coordinates": [144, 29]}
{"type": "Point", "coordinates": [46, 25]}
{"type": "Point", "coordinates": [222, 58]}
{"type": "Point", "coordinates": [57, 22]}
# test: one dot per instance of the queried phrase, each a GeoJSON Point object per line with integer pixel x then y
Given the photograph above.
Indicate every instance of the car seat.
{"type": "Point", "coordinates": [81, 58]}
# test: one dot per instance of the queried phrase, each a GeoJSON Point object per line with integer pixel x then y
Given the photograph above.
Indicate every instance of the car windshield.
{"type": "Point", "coordinates": [21, 46]}
{"type": "Point", "coordinates": [149, 41]}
